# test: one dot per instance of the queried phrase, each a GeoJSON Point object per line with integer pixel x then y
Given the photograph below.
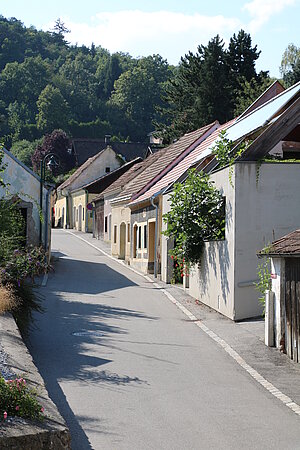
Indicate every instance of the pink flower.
{"type": "Point", "coordinates": [42, 409]}
{"type": "Point", "coordinates": [5, 415]}
{"type": "Point", "coordinates": [17, 408]}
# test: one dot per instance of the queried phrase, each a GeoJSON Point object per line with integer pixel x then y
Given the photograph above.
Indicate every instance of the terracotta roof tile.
{"type": "Point", "coordinates": [287, 245]}
{"type": "Point", "coordinates": [177, 171]}
{"type": "Point", "coordinates": [162, 159]}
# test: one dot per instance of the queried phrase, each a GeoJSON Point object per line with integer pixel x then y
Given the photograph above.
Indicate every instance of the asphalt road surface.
{"type": "Point", "coordinates": [128, 370]}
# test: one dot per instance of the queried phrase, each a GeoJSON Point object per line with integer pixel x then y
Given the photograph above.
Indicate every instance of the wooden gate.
{"type": "Point", "coordinates": [292, 307]}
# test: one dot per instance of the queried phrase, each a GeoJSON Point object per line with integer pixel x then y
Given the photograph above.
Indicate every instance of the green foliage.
{"type": "Point", "coordinates": [11, 228]}
{"type": "Point", "coordinates": [53, 110]}
{"type": "Point", "coordinates": [18, 400]}
{"type": "Point", "coordinates": [206, 85]}
{"type": "Point", "coordinates": [249, 91]}
{"type": "Point", "coordinates": [226, 153]}
{"type": "Point", "coordinates": [196, 215]}
{"type": "Point", "coordinates": [290, 65]}
{"type": "Point", "coordinates": [264, 277]}
{"type": "Point", "coordinates": [25, 149]}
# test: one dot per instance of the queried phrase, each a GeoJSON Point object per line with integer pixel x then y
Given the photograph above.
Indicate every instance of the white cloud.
{"type": "Point", "coordinates": [262, 10]}
{"type": "Point", "coordinates": [141, 33]}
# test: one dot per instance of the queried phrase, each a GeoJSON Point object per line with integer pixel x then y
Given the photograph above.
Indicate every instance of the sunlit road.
{"type": "Point", "coordinates": [127, 370]}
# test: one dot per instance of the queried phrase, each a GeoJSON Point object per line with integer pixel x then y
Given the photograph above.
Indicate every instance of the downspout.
{"type": "Point", "coordinates": [156, 233]}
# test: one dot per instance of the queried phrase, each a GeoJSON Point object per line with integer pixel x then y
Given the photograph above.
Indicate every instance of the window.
{"type": "Point", "coordinates": [140, 237]}
{"type": "Point", "coordinates": [145, 236]}
{"type": "Point", "coordinates": [105, 224]}
{"type": "Point", "coordinates": [128, 232]}
{"type": "Point", "coordinates": [82, 213]}
{"type": "Point", "coordinates": [115, 234]}
{"type": "Point", "coordinates": [107, 169]}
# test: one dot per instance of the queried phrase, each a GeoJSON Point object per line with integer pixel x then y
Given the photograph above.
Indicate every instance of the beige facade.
{"type": "Point", "coordinates": [120, 231]}
{"type": "Point", "coordinates": [82, 218]}
{"type": "Point", "coordinates": [60, 209]}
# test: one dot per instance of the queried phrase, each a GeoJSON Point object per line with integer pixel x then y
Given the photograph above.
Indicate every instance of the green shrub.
{"type": "Point", "coordinates": [18, 400]}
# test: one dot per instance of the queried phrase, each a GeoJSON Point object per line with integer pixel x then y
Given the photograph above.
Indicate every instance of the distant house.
{"type": "Point", "coordinates": [102, 209]}
{"type": "Point", "coordinates": [25, 185]}
{"type": "Point", "coordinates": [142, 221]}
{"type": "Point", "coordinates": [83, 149]}
{"type": "Point", "coordinates": [94, 168]}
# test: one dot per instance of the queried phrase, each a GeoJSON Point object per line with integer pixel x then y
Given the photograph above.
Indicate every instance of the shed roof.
{"type": "Point", "coordinates": [288, 245]}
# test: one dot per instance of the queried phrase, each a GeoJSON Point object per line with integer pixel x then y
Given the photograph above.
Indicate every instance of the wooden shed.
{"type": "Point", "coordinates": [285, 274]}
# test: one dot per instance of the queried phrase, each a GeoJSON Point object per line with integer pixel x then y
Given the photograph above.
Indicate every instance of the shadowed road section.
{"type": "Point", "coordinates": [127, 370]}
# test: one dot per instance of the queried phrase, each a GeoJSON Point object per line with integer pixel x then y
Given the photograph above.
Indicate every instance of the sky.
{"type": "Point", "coordinates": [170, 28]}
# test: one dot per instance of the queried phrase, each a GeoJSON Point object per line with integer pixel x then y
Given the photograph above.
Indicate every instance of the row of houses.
{"type": "Point", "coordinates": [125, 205]}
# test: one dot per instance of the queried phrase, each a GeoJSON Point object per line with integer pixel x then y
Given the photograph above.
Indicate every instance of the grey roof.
{"type": "Point", "coordinates": [86, 148]}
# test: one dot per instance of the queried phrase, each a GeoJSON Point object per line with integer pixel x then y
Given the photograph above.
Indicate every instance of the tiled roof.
{"type": "Point", "coordinates": [177, 171]}
{"type": "Point", "coordinates": [161, 160]}
{"type": "Point", "coordinates": [104, 182]}
{"type": "Point", "coordinates": [123, 179]}
{"type": "Point", "coordinates": [87, 148]}
{"type": "Point", "coordinates": [287, 245]}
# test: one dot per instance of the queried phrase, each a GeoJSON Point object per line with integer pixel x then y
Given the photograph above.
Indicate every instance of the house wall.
{"type": "Point", "coordinates": [60, 206]}
{"type": "Point", "coordinates": [212, 282]}
{"type": "Point", "coordinates": [108, 213]}
{"type": "Point", "coordinates": [143, 258]}
{"type": "Point", "coordinates": [265, 211]}
{"type": "Point", "coordinates": [26, 185]}
{"type": "Point", "coordinates": [166, 245]}
{"type": "Point", "coordinates": [119, 214]}
{"type": "Point", "coordinates": [80, 200]}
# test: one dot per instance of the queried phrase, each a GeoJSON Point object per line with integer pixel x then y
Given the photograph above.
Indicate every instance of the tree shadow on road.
{"type": "Point", "coordinates": [71, 327]}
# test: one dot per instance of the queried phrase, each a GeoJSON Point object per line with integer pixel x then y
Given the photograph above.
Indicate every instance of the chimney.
{"type": "Point", "coordinates": [107, 138]}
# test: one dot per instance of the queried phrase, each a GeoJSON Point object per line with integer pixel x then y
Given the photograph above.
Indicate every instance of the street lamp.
{"type": "Point", "coordinates": [51, 164]}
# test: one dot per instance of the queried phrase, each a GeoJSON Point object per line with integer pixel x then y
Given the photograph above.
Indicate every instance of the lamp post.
{"type": "Point", "coordinates": [51, 164]}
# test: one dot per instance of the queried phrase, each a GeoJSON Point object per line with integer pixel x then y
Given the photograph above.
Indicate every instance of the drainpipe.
{"type": "Point", "coordinates": [156, 232]}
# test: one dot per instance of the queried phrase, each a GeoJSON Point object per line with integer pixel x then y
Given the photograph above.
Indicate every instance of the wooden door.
{"type": "Point", "coordinates": [292, 307]}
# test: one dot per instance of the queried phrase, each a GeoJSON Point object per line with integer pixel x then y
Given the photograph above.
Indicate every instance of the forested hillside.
{"type": "Point", "coordinates": [48, 84]}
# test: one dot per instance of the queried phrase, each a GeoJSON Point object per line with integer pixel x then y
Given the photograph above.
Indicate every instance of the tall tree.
{"type": "Point", "coordinates": [53, 110]}
{"type": "Point", "coordinates": [56, 142]}
{"type": "Point", "coordinates": [199, 93]}
{"type": "Point", "coordinates": [290, 65]}
{"type": "Point", "coordinates": [138, 92]}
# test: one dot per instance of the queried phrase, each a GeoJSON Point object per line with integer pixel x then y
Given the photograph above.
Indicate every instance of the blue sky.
{"type": "Point", "coordinates": [170, 28]}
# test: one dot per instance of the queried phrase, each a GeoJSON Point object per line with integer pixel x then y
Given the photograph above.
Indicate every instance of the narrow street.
{"type": "Point", "coordinates": [128, 370]}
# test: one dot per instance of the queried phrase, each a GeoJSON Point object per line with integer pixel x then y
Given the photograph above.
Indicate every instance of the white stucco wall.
{"type": "Point", "coordinates": [256, 215]}
{"type": "Point", "coordinates": [166, 244]}
{"type": "Point", "coordinates": [24, 183]}
{"type": "Point", "coordinates": [265, 211]}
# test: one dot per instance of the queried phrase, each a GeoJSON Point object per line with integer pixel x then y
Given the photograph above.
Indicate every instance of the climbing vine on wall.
{"type": "Point", "coordinates": [197, 215]}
